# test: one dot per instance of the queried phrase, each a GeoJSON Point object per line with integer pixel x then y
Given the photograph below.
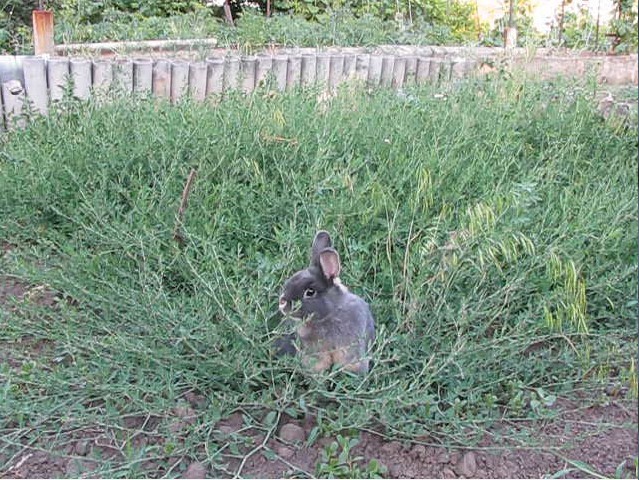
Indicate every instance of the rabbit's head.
{"type": "Point", "coordinates": [310, 291]}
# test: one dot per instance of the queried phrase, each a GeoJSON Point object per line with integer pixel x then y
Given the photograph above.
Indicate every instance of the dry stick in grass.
{"type": "Point", "coordinates": [177, 233]}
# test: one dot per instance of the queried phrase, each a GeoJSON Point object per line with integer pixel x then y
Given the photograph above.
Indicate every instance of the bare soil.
{"type": "Point", "coordinates": [603, 437]}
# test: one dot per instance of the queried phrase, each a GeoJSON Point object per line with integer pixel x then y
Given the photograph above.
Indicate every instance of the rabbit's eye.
{"type": "Point", "coordinates": [309, 292]}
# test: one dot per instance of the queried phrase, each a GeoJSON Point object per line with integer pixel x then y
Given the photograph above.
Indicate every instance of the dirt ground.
{"type": "Point", "coordinates": [577, 436]}
{"type": "Point", "coordinates": [601, 434]}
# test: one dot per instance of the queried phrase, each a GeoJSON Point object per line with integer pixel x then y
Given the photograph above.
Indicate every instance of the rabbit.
{"type": "Point", "coordinates": [337, 326]}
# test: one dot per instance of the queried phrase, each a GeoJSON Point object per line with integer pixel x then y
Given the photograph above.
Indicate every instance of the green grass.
{"type": "Point", "coordinates": [492, 225]}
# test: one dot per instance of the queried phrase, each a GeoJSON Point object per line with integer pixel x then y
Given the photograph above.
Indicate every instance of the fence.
{"type": "Point", "coordinates": [42, 80]}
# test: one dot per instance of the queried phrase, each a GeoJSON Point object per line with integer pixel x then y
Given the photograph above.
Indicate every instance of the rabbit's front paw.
{"type": "Point", "coordinates": [318, 362]}
{"type": "Point", "coordinates": [350, 361]}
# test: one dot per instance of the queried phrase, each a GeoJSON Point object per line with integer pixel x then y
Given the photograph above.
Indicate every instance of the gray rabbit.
{"type": "Point", "coordinates": [336, 326]}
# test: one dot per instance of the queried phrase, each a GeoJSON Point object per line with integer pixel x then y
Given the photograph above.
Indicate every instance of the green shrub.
{"type": "Point", "coordinates": [122, 26]}
{"type": "Point", "coordinates": [91, 10]}
{"type": "Point", "coordinates": [526, 33]}
{"type": "Point", "coordinates": [253, 29]}
{"type": "Point", "coordinates": [15, 26]}
{"type": "Point", "coordinates": [624, 26]}
{"type": "Point", "coordinates": [456, 16]}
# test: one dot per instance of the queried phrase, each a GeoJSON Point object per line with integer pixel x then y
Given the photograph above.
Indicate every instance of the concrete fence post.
{"type": "Point", "coordinates": [336, 71]}
{"type": "Point", "coordinates": [102, 76]}
{"type": "Point", "coordinates": [214, 76]}
{"type": "Point", "coordinates": [322, 69]}
{"type": "Point", "coordinates": [388, 64]}
{"type": "Point", "coordinates": [362, 63]}
{"type": "Point", "coordinates": [434, 70]}
{"type": "Point", "coordinates": [263, 69]}
{"type": "Point", "coordinates": [142, 75]}
{"type": "Point", "coordinates": [35, 82]}
{"type": "Point", "coordinates": [349, 67]}
{"type": "Point", "coordinates": [57, 76]}
{"type": "Point", "coordinates": [231, 73]}
{"type": "Point", "coordinates": [444, 71]}
{"type": "Point", "coordinates": [123, 75]}
{"type": "Point", "coordinates": [309, 70]}
{"type": "Point", "coordinates": [197, 81]}
{"type": "Point", "coordinates": [422, 74]}
{"type": "Point", "coordinates": [179, 80]}
{"type": "Point", "coordinates": [13, 100]}
{"type": "Point", "coordinates": [374, 70]}
{"type": "Point", "coordinates": [399, 71]}
{"type": "Point", "coordinates": [280, 71]}
{"type": "Point", "coordinates": [82, 78]}
{"type": "Point", "coordinates": [294, 71]}
{"type": "Point", "coordinates": [162, 79]}
{"type": "Point", "coordinates": [248, 66]}
{"type": "Point", "coordinates": [411, 70]}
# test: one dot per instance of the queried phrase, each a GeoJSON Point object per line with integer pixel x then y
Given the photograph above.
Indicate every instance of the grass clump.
{"type": "Point", "coordinates": [492, 226]}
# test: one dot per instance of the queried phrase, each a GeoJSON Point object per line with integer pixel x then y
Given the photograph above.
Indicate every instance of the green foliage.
{"type": "Point", "coordinates": [92, 10]}
{"type": "Point", "coordinates": [625, 26]}
{"type": "Point", "coordinates": [339, 27]}
{"type": "Point", "coordinates": [526, 33]}
{"type": "Point", "coordinates": [298, 22]}
{"type": "Point", "coordinates": [454, 15]}
{"type": "Point", "coordinates": [580, 30]}
{"type": "Point", "coordinates": [157, 8]}
{"type": "Point", "coordinates": [303, 23]}
{"type": "Point", "coordinates": [15, 25]}
{"type": "Point", "coordinates": [338, 462]}
{"type": "Point", "coordinates": [492, 226]}
{"type": "Point", "coordinates": [116, 25]}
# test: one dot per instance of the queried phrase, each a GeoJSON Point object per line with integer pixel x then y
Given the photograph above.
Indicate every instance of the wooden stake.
{"type": "Point", "coordinates": [43, 32]}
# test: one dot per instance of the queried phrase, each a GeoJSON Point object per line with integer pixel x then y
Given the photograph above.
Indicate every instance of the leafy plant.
{"type": "Point", "coordinates": [624, 26]}
{"type": "Point", "coordinates": [90, 10]}
{"type": "Point", "coordinates": [338, 462]}
{"type": "Point", "coordinates": [526, 33]}
{"type": "Point", "coordinates": [15, 25]}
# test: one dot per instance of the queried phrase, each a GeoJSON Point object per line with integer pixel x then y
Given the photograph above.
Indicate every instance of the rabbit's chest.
{"type": "Point", "coordinates": [329, 332]}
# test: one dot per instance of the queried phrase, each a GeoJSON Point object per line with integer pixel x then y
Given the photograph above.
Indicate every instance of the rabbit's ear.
{"type": "Point", "coordinates": [322, 241]}
{"type": "Point", "coordinates": [329, 261]}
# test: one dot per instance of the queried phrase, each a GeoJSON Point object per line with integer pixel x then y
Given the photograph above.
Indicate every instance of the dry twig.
{"type": "Point", "coordinates": [178, 236]}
